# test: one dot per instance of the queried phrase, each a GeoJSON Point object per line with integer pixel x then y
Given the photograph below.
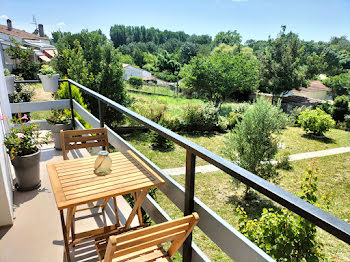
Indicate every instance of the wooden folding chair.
{"type": "Point", "coordinates": [86, 138]}
{"type": "Point", "coordinates": [146, 244]}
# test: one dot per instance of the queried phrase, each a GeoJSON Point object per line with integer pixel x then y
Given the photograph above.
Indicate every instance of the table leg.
{"type": "Point", "coordinates": [116, 211]}
{"type": "Point", "coordinates": [139, 213]}
{"type": "Point", "coordinates": [137, 205]}
{"type": "Point", "coordinates": [73, 224]}
{"type": "Point", "coordinates": [65, 240]}
{"type": "Point", "coordinates": [70, 214]}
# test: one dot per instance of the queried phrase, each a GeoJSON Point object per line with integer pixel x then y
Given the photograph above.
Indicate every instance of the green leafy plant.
{"type": "Point", "coordinates": [340, 108]}
{"type": "Point", "coordinates": [200, 118]}
{"type": "Point", "coordinates": [254, 142]}
{"type": "Point", "coordinates": [340, 84]}
{"type": "Point", "coordinates": [7, 72]}
{"type": "Point", "coordinates": [25, 67]}
{"type": "Point", "coordinates": [47, 70]}
{"type": "Point", "coordinates": [283, 235]}
{"type": "Point", "coordinates": [57, 117]}
{"type": "Point", "coordinates": [315, 121]}
{"type": "Point", "coordinates": [135, 81]}
{"type": "Point", "coordinates": [347, 121]}
{"type": "Point", "coordinates": [283, 161]}
{"type": "Point", "coordinates": [295, 113]}
{"type": "Point", "coordinates": [25, 139]}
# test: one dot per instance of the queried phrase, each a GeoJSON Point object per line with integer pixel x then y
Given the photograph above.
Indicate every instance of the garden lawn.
{"type": "Point", "coordinates": [220, 193]}
{"type": "Point", "coordinates": [294, 139]}
{"type": "Point", "coordinates": [153, 89]}
{"type": "Point", "coordinates": [40, 95]}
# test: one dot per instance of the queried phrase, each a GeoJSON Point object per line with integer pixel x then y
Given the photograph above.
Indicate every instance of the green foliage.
{"type": "Point", "coordinates": [280, 66]}
{"type": "Point", "coordinates": [283, 161]}
{"type": "Point", "coordinates": [347, 121]}
{"type": "Point", "coordinates": [254, 141]}
{"type": "Point", "coordinates": [47, 70]}
{"type": "Point", "coordinates": [187, 51]}
{"type": "Point", "coordinates": [228, 38]}
{"type": "Point", "coordinates": [57, 117]}
{"type": "Point", "coordinates": [135, 81]}
{"type": "Point", "coordinates": [327, 107]}
{"type": "Point", "coordinates": [159, 142]}
{"type": "Point", "coordinates": [315, 121]}
{"type": "Point", "coordinates": [295, 113]}
{"type": "Point", "coordinates": [340, 108]}
{"type": "Point", "coordinates": [340, 84]}
{"type": "Point", "coordinates": [25, 66]}
{"type": "Point", "coordinates": [283, 235]}
{"type": "Point", "coordinates": [90, 60]}
{"type": "Point", "coordinates": [24, 138]}
{"type": "Point", "coordinates": [315, 65]}
{"type": "Point", "coordinates": [6, 72]}
{"type": "Point", "coordinates": [234, 119]}
{"type": "Point", "coordinates": [200, 118]}
{"type": "Point", "coordinates": [220, 76]}
{"type": "Point", "coordinates": [22, 93]}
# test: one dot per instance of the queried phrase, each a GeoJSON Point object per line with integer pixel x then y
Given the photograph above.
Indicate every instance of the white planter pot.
{"type": "Point", "coordinates": [55, 133]}
{"type": "Point", "coordinates": [10, 83]}
{"type": "Point", "coordinates": [50, 82]}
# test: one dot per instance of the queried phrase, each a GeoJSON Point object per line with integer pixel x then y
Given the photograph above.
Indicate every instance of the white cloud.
{"type": "Point", "coordinates": [4, 17]}
{"type": "Point", "coordinates": [61, 24]}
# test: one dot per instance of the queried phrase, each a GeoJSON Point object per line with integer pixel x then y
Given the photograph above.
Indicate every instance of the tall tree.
{"type": "Point", "coordinates": [280, 67]}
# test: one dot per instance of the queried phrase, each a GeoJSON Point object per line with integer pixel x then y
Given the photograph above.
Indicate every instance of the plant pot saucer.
{"type": "Point", "coordinates": [21, 189]}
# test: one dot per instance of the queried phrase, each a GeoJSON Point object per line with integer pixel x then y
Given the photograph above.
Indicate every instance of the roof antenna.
{"type": "Point", "coordinates": [36, 31]}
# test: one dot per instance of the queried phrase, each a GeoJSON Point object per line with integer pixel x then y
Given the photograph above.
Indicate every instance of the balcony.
{"type": "Point", "coordinates": [36, 234]}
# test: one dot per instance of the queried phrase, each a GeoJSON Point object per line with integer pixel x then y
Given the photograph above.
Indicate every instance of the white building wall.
{"type": "Point", "coordinates": [6, 193]}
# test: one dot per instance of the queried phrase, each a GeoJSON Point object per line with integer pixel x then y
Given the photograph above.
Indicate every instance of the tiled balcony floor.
{"type": "Point", "coordinates": [36, 235]}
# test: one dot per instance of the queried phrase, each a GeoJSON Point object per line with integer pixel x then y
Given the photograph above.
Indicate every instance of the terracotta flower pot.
{"type": "Point", "coordinates": [50, 82]}
{"type": "Point", "coordinates": [55, 133]}
{"type": "Point", "coordinates": [27, 169]}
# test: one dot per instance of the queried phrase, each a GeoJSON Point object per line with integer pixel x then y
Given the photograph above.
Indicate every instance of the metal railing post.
{"type": "Point", "coordinates": [189, 201]}
{"type": "Point", "coordinates": [100, 116]}
{"type": "Point", "coordinates": [71, 104]}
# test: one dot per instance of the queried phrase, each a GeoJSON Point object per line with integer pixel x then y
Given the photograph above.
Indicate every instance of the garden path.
{"type": "Point", "coordinates": [210, 168]}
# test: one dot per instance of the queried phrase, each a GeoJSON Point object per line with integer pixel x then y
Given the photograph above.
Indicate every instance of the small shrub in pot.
{"type": "Point", "coordinates": [49, 78]}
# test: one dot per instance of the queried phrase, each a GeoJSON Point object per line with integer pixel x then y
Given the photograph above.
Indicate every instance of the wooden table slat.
{"type": "Point", "coordinates": [74, 182]}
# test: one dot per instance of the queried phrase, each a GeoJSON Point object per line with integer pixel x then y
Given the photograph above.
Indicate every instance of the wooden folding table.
{"type": "Point", "coordinates": [74, 183]}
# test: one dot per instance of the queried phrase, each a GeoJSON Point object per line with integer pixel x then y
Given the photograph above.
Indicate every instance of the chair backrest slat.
{"type": "Point", "coordinates": [176, 231]}
{"type": "Point", "coordinates": [86, 138]}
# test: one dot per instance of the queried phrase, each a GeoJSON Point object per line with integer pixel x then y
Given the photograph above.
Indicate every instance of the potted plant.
{"type": "Point", "coordinates": [10, 81]}
{"type": "Point", "coordinates": [49, 78]}
{"type": "Point", "coordinates": [23, 146]}
{"type": "Point", "coordinates": [58, 122]}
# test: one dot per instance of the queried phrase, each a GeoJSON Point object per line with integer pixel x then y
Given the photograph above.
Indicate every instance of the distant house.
{"type": "Point", "coordinates": [130, 70]}
{"type": "Point", "coordinates": [43, 50]}
{"type": "Point", "coordinates": [316, 90]}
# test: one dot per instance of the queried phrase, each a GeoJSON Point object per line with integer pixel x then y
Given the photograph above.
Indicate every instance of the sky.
{"type": "Point", "coordinates": [316, 20]}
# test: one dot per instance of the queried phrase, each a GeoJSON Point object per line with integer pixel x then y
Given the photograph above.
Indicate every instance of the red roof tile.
{"type": "Point", "coordinates": [315, 86]}
{"type": "Point", "coordinates": [20, 33]}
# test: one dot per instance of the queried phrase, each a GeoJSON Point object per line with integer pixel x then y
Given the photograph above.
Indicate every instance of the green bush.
{"type": "Point", "coordinates": [283, 161]}
{"type": "Point", "coordinates": [340, 108]}
{"type": "Point", "coordinates": [347, 121]}
{"type": "Point", "coordinates": [47, 70]}
{"type": "Point", "coordinates": [283, 235]}
{"type": "Point", "coordinates": [340, 84]}
{"type": "Point", "coordinates": [22, 93]}
{"type": "Point", "coordinates": [234, 119]}
{"type": "Point", "coordinates": [253, 143]}
{"type": "Point", "coordinates": [135, 81]}
{"type": "Point", "coordinates": [197, 118]}
{"type": "Point", "coordinates": [327, 107]}
{"type": "Point", "coordinates": [295, 113]}
{"type": "Point", "coordinates": [159, 142]}
{"type": "Point", "coordinates": [315, 121]}
{"type": "Point", "coordinates": [7, 72]}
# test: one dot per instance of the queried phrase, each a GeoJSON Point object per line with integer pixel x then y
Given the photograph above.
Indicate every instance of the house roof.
{"type": "Point", "coordinates": [300, 100]}
{"type": "Point", "coordinates": [315, 86]}
{"type": "Point", "coordinates": [20, 33]}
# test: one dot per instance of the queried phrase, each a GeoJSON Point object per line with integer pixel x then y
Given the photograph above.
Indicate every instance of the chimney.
{"type": "Point", "coordinates": [41, 30]}
{"type": "Point", "coordinates": [9, 25]}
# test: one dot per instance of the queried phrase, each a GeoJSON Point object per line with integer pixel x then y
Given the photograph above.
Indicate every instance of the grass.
{"type": "Point", "coordinates": [40, 95]}
{"type": "Point", "coordinates": [219, 192]}
{"type": "Point", "coordinates": [293, 137]}
{"type": "Point", "coordinates": [153, 89]}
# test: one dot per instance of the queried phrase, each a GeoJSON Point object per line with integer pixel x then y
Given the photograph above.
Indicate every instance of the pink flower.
{"type": "Point", "coordinates": [53, 139]}
{"type": "Point", "coordinates": [25, 117]}
{"type": "Point", "coordinates": [3, 117]}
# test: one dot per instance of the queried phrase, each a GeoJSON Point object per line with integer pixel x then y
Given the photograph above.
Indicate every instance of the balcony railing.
{"type": "Point", "coordinates": [232, 242]}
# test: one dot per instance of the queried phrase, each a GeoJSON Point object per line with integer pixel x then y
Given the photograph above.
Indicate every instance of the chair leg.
{"type": "Point", "coordinates": [139, 213]}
